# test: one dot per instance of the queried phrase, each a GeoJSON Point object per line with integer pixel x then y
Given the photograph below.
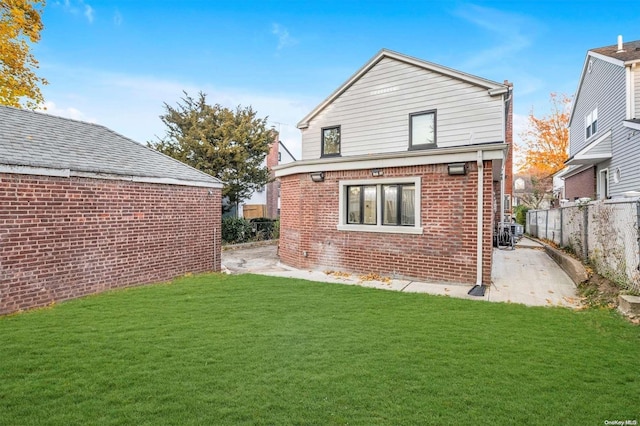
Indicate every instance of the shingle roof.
{"type": "Point", "coordinates": [35, 139]}
{"type": "Point", "coordinates": [631, 51]}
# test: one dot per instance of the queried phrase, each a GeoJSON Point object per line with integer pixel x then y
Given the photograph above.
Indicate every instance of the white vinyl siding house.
{"type": "Point", "coordinates": [373, 113]}
{"type": "Point", "coordinates": [609, 83]}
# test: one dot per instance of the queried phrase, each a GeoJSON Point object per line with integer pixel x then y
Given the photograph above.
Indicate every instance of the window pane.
{"type": "Point", "coordinates": [353, 212]}
{"type": "Point", "coordinates": [422, 129]}
{"type": "Point", "coordinates": [408, 204]}
{"type": "Point", "coordinates": [390, 210]}
{"type": "Point", "coordinates": [370, 205]}
{"type": "Point", "coordinates": [331, 141]}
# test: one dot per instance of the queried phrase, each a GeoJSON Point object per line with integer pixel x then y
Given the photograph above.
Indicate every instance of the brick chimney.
{"type": "Point", "coordinates": [508, 139]}
{"type": "Point", "coordinates": [272, 187]}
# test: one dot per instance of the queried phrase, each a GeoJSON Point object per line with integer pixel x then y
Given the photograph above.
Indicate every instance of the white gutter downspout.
{"type": "Point", "coordinates": [480, 219]}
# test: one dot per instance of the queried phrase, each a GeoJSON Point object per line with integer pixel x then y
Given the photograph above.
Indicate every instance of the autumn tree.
{"type": "Point", "coordinates": [20, 24]}
{"type": "Point", "coordinates": [228, 144]}
{"type": "Point", "coordinates": [546, 138]}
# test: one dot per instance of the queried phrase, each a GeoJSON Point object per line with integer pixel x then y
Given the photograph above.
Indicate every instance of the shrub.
{"type": "Point", "coordinates": [521, 214]}
{"type": "Point", "coordinates": [236, 230]}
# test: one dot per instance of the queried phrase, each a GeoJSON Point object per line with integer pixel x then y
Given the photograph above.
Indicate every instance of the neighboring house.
{"type": "Point", "coordinates": [534, 192]}
{"type": "Point", "coordinates": [401, 174]}
{"type": "Point", "coordinates": [605, 125]}
{"type": "Point", "coordinates": [266, 201]}
{"type": "Point", "coordinates": [84, 209]}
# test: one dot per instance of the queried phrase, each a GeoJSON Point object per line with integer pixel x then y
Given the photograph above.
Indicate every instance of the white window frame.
{"type": "Point", "coordinates": [603, 184]}
{"type": "Point", "coordinates": [589, 119]}
{"type": "Point", "coordinates": [378, 227]}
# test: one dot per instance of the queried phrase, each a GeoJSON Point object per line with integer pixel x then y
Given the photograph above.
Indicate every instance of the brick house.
{"type": "Point", "coordinates": [84, 209]}
{"type": "Point", "coordinates": [403, 172]}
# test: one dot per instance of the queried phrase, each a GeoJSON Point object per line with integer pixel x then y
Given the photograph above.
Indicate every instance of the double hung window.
{"type": "Point", "coordinates": [591, 123]}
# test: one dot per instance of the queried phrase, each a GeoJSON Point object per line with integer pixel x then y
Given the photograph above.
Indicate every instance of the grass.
{"type": "Point", "coordinates": [216, 349]}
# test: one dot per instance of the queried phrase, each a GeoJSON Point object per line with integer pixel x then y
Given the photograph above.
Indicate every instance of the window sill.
{"type": "Point", "coordinates": [422, 147]}
{"type": "Point", "coordinates": [415, 230]}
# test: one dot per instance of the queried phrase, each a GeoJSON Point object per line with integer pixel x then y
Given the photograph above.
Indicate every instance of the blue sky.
{"type": "Point", "coordinates": [116, 62]}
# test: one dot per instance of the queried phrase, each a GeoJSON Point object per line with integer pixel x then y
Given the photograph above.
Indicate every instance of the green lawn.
{"type": "Point", "coordinates": [216, 349]}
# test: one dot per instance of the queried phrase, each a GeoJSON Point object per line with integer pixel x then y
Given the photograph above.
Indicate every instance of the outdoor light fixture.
{"type": "Point", "coordinates": [377, 172]}
{"type": "Point", "coordinates": [317, 176]}
{"type": "Point", "coordinates": [457, 169]}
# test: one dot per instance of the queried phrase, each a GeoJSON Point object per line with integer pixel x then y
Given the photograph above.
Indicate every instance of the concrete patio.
{"type": "Point", "coordinates": [525, 275]}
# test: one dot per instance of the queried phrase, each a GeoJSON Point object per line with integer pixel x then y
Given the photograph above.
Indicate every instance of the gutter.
{"type": "Point", "coordinates": [480, 220]}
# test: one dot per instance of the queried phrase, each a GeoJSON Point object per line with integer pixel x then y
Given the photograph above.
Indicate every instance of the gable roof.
{"type": "Point", "coordinates": [630, 54]}
{"type": "Point", "coordinates": [68, 147]}
{"type": "Point", "coordinates": [630, 51]}
{"type": "Point", "coordinates": [493, 87]}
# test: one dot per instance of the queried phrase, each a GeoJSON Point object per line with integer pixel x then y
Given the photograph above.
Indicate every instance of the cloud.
{"type": "Point", "coordinates": [284, 38]}
{"type": "Point", "coordinates": [131, 104]}
{"type": "Point", "coordinates": [117, 18]}
{"type": "Point", "coordinates": [513, 33]}
{"type": "Point", "coordinates": [78, 7]}
{"type": "Point", "coordinates": [69, 112]}
{"type": "Point", "coordinates": [88, 12]}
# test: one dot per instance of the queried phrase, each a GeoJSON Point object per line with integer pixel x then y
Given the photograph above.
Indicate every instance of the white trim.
{"type": "Point", "coordinates": [66, 173]}
{"type": "Point", "coordinates": [378, 182]}
{"type": "Point", "coordinates": [603, 182]}
{"type": "Point", "coordinates": [28, 170]}
{"type": "Point", "coordinates": [629, 93]}
{"type": "Point", "coordinates": [584, 155]}
{"type": "Point", "coordinates": [606, 58]}
{"type": "Point", "coordinates": [398, 159]}
{"type": "Point", "coordinates": [631, 125]}
{"type": "Point", "coordinates": [480, 211]}
{"type": "Point", "coordinates": [578, 169]}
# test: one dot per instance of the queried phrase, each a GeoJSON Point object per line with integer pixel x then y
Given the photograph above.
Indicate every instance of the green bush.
{"type": "Point", "coordinates": [521, 214]}
{"type": "Point", "coordinates": [236, 230]}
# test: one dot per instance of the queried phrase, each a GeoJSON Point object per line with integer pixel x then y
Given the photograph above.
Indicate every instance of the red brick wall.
{"type": "Point", "coordinates": [508, 165]}
{"type": "Point", "coordinates": [445, 252]}
{"type": "Point", "coordinates": [580, 185]}
{"type": "Point", "coordinates": [62, 238]}
{"type": "Point", "coordinates": [272, 187]}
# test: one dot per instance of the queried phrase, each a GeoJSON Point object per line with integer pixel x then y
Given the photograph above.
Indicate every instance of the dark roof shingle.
{"type": "Point", "coordinates": [631, 51]}
{"type": "Point", "coordinates": [35, 139]}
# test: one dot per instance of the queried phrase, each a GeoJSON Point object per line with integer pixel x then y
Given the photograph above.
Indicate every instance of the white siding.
{"type": "Point", "coordinates": [605, 88]}
{"type": "Point", "coordinates": [602, 88]}
{"type": "Point", "coordinates": [374, 112]}
{"type": "Point", "coordinates": [636, 89]}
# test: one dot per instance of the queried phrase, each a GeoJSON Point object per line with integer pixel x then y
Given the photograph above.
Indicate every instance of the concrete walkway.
{"type": "Point", "coordinates": [524, 275]}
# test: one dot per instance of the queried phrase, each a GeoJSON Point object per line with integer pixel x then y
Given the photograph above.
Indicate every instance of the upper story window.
{"type": "Point", "coordinates": [591, 123]}
{"type": "Point", "coordinates": [422, 129]}
{"type": "Point", "coordinates": [330, 141]}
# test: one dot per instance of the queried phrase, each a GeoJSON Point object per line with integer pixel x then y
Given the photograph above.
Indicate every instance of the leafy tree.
{"type": "Point", "coordinates": [228, 144]}
{"type": "Point", "coordinates": [19, 23]}
{"type": "Point", "coordinates": [547, 138]}
{"type": "Point", "coordinates": [538, 187]}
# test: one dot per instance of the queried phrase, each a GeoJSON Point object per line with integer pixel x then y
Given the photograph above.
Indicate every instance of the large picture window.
{"type": "Point", "coordinates": [331, 141]}
{"type": "Point", "coordinates": [389, 205]}
{"type": "Point", "coordinates": [422, 130]}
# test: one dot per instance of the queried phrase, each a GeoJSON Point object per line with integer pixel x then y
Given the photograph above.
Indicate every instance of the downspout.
{"type": "Point", "coordinates": [480, 219]}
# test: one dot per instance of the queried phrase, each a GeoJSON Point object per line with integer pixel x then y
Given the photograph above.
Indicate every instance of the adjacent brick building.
{"type": "Point", "coordinates": [84, 209]}
{"type": "Point", "coordinates": [402, 174]}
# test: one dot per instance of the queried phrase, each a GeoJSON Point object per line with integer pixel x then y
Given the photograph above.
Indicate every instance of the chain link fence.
{"type": "Point", "coordinates": [603, 233]}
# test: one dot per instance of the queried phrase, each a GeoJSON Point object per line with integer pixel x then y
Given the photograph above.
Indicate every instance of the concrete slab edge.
{"type": "Point", "coordinates": [250, 244]}
{"type": "Point", "coordinates": [572, 267]}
